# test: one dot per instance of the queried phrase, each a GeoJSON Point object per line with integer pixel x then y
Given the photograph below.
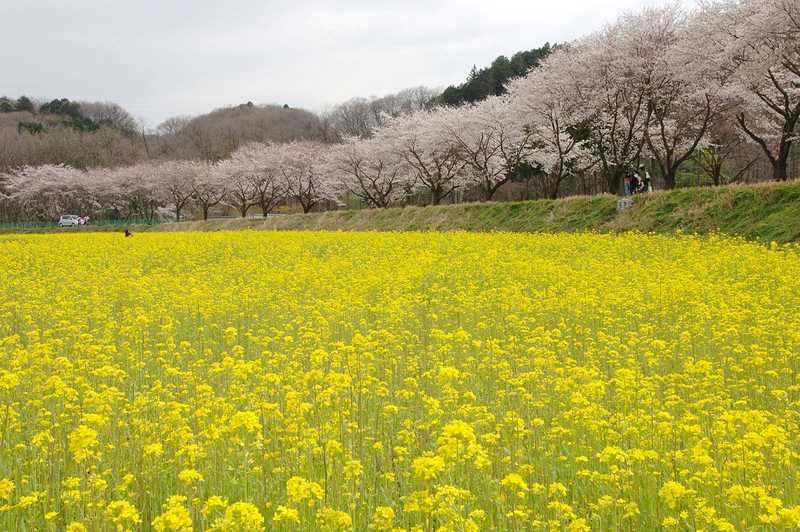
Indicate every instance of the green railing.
{"type": "Point", "coordinates": [26, 225]}
{"type": "Point", "coordinates": [134, 221]}
{"type": "Point", "coordinates": [90, 223]}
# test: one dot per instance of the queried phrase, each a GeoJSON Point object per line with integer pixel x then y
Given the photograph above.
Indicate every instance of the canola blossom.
{"type": "Point", "coordinates": [414, 381]}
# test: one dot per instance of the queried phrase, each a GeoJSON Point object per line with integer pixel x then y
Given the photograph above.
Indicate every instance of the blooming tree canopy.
{"type": "Point", "coordinates": [259, 162]}
{"type": "Point", "coordinates": [209, 187]}
{"type": "Point", "coordinates": [554, 121]}
{"type": "Point", "coordinates": [425, 147]}
{"type": "Point", "coordinates": [756, 45]}
{"type": "Point", "coordinates": [302, 166]}
{"type": "Point", "coordinates": [492, 138]}
{"type": "Point", "coordinates": [368, 170]}
{"type": "Point", "coordinates": [176, 183]}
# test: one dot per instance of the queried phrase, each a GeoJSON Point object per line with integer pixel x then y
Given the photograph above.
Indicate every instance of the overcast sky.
{"type": "Point", "coordinates": [160, 58]}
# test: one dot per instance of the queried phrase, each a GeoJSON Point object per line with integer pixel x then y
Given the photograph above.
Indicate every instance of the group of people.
{"type": "Point", "coordinates": [638, 183]}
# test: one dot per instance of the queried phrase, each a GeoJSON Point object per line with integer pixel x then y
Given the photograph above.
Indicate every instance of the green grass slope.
{"type": "Point", "coordinates": [769, 212]}
{"type": "Point", "coordinates": [574, 214]}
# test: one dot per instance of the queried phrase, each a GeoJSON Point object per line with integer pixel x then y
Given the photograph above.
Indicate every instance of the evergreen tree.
{"type": "Point", "coordinates": [25, 104]}
{"type": "Point", "coordinates": [492, 80]}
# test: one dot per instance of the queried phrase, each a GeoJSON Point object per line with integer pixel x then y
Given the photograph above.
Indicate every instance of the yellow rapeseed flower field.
{"type": "Point", "coordinates": [453, 382]}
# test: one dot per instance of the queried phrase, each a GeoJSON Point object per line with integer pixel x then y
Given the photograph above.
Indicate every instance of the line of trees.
{"type": "Point", "coordinates": [661, 84]}
{"type": "Point", "coordinates": [256, 175]}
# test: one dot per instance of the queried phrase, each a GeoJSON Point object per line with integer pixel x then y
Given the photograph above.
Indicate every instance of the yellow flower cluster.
{"type": "Point", "coordinates": [398, 382]}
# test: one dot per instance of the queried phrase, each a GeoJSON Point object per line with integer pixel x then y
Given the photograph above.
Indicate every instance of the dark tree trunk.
{"type": "Point", "coordinates": [670, 179]}
{"type": "Point", "coordinates": [780, 166]}
{"type": "Point", "coordinates": [614, 181]}
{"type": "Point", "coordinates": [554, 186]}
{"type": "Point", "coordinates": [490, 189]}
{"type": "Point", "coordinates": [781, 159]}
{"type": "Point", "coordinates": [436, 196]}
{"type": "Point", "coordinates": [716, 173]}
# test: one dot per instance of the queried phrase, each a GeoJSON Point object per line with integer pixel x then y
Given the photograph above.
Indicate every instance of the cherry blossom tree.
{"type": "Point", "coordinates": [492, 139]}
{"type": "Point", "coordinates": [240, 193]}
{"type": "Point", "coordinates": [260, 166]}
{"type": "Point", "coordinates": [176, 183]}
{"type": "Point", "coordinates": [107, 196]}
{"type": "Point", "coordinates": [684, 99]}
{"type": "Point", "coordinates": [725, 148]}
{"type": "Point", "coordinates": [208, 186]}
{"type": "Point", "coordinates": [368, 170]}
{"type": "Point", "coordinates": [554, 121]}
{"type": "Point", "coordinates": [269, 189]}
{"type": "Point", "coordinates": [136, 186]}
{"type": "Point", "coordinates": [756, 43]}
{"type": "Point", "coordinates": [428, 154]}
{"type": "Point", "coordinates": [609, 73]}
{"type": "Point", "coordinates": [302, 166]}
{"type": "Point", "coordinates": [47, 191]}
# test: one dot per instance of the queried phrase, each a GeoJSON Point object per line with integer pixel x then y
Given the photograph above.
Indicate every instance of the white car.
{"type": "Point", "coordinates": [67, 220]}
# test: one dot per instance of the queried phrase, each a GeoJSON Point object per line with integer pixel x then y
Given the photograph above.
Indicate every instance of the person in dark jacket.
{"type": "Point", "coordinates": [635, 183]}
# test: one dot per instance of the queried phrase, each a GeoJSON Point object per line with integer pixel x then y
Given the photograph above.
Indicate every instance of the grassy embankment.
{"type": "Point", "coordinates": [769, 212]}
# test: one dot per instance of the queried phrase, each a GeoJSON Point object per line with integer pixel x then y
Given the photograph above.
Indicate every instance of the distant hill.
{"type": "Point", "coordinates": [215, 135]}
{"type": "Point", "coordinates": [61, 131]}
{"type": "Point", "coordinates": [83, 134]}
{"type": "Point", "coordinates": [37, 117]}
